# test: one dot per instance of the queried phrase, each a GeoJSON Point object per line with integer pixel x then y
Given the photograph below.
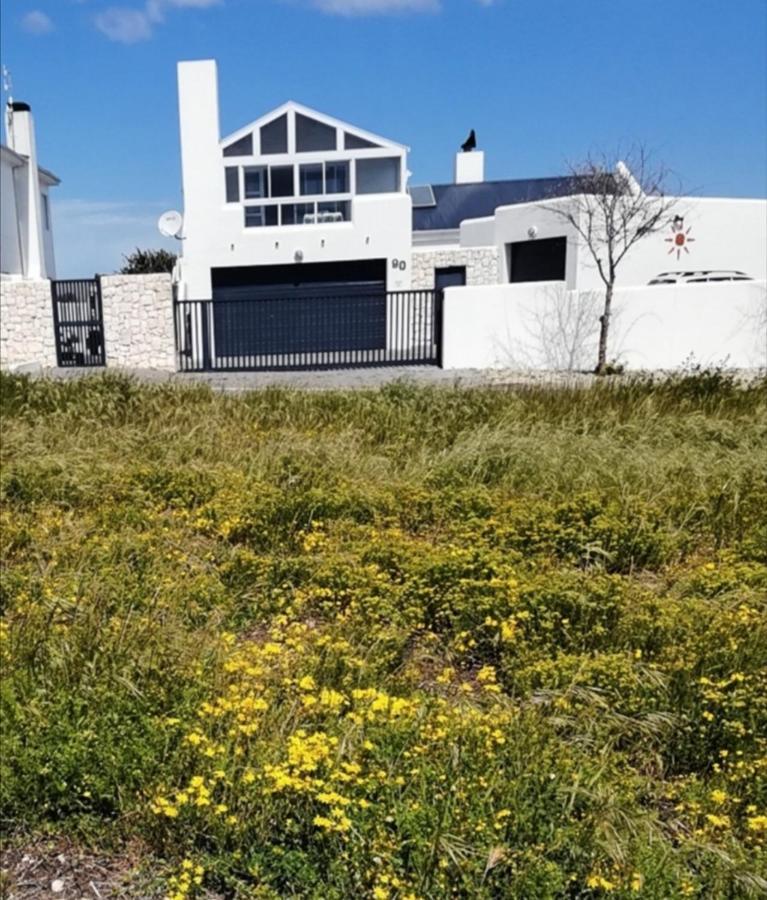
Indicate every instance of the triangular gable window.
{"type": "Point", "coordinates": [242, 147]}
{"type": "Point", "coordinates": [353, 142]}
{"type": "Point", "coordinates": [312, 135]}
{"type": "Point", "coordinates": [274, 135]}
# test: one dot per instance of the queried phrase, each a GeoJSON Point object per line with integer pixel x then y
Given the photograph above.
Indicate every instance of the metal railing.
{"type": "Point", "coordinates": [78, 322]}
{"type": "Point", "coordinates": [309, 331]}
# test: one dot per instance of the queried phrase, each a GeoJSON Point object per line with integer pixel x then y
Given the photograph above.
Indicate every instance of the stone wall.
{"type": "Point", "coordinates": [26, 324]}
{"type": "Point", "coordinates": [138, 321]}
{"type": "Point", "coordinates": [481, 265]}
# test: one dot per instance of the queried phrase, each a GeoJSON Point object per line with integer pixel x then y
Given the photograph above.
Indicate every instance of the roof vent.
{"type": "Point", "coordinates": [18, 106]}
{"type": "Point", "coordinates": [422, 196]}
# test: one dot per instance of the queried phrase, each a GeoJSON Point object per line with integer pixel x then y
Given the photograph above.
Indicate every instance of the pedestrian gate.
{"type": "Point", "coordinates": [78, 322]}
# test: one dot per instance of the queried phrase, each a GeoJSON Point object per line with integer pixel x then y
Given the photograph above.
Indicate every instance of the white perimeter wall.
{"type": "Point", "coordinates": [544, 326]}
{"type": "Point", "coordinates": [138, 321]}
{"type": "Point", "coordinates": [26, 324]}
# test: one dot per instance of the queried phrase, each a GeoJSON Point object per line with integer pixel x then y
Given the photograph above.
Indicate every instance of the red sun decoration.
{"type": "Point", "coordinates": [680, 237]}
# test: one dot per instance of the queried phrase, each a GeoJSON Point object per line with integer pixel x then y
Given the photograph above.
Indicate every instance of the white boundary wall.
{"type": "Point", "coordinates": [138, 321]}
{"type": "Point", "coordinates": [26, 324]}
{"type": "Point", "coordinates": [544, 326]}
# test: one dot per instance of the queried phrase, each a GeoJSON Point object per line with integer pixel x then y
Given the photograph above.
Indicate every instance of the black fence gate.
{"type": "Point", "coordinates": [309, 331]}
{"type": "Point", "coordinates": [78, 322]}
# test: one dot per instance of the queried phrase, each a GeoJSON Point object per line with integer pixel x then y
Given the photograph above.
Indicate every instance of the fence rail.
{"type": "Point", "coordinates": [309, 331]}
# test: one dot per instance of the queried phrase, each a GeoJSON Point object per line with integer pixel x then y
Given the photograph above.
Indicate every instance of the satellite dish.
{"type": "Point", "coordinates": [170, 223]}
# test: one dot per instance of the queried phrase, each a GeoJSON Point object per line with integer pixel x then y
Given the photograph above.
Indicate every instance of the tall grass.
{"type": "Point", "coordinates": [412, 642]}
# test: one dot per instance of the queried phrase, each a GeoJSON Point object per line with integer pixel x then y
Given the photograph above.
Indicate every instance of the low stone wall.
{"type": "Point", "coordinates": [481, 265]}
{"type": "Point", "coordinates": [138, 321]}
{"type": "Point", "coordinates": [26, 324]}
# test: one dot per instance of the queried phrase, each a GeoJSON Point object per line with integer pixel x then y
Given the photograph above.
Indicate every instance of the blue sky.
{"type": "Point", "coordinates": [543, 82]}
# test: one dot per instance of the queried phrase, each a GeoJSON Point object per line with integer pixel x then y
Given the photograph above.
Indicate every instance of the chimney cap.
{"type": "Point", "coordinates": [19, 106]}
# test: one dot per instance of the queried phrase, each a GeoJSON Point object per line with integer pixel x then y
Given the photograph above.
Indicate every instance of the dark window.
{"type": "Point", "coordinates": [293, 213]}
{"type": "Point", "coordinates": [274, 136]}
{"type": "Point", "coordinates": [242, 147]}
{"type": "Point", "coordinates": [259, 216]}
{"type": "Point", "coordinates": [378, 176]}
{"type": "Point", "coordinates": [336, 178]}
{"type": "Point", "coordinates": [310, 179]}
{"type": "Point", "coordinates": [540, 260]}
{"type": "Point", "coordinates": [449, 276]}
{"type": "Point", "coordinates": [353, 142]}
{"type": "Point", "coordinates": [255, 182]}
{"type": "Point", "coordinates": [313, 135]}
{"type": "Point", "coordinates": [46, 212]}
{"type": "Point", "coordinates": [232, 184]}
{"type": "Point", "coordinates": [281, 181]}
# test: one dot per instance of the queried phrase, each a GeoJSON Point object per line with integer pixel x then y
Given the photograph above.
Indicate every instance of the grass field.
{"type": "Point", "coordinates": [411, 643]}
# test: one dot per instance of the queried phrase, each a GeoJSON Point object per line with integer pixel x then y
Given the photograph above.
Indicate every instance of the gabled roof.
{"type": "Point", "coordinates": [456, 202]}
{"type": "Point", "coordinates": [18, 159]}
{"type": "Point", "coordinates": [314, 114]}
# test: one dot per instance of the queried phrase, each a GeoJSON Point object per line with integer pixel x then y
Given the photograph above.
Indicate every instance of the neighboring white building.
{"type": "Point", "coordinates": [26, 228]}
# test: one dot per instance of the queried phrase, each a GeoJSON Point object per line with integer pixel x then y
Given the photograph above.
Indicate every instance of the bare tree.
{"type": "Point", "coordinates": [616, 203]}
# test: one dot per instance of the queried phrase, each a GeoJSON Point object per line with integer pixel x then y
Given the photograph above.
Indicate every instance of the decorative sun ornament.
{"type": "Point", "coordinates": [680, 237]}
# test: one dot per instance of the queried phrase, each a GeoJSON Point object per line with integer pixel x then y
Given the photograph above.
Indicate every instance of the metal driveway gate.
{"type": "Point", "coordinates": [78, 322]}
{"type": "Point", "coordinates": [309, 330]}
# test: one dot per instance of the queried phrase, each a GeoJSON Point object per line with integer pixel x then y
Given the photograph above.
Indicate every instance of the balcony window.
{"type": "Point", "coordinates": [312, 135]}
{"type": "Point", "coordinates": [274, 136]}
{"type": "Point", "coordinates": [281, 181]}
{"type": "Point", "coordinates": [336, 178]}
{"type": "Point", "coordinates": [255, 182]}
{"type": "Point", "coordinates": [232, 184]}
{"type": "Point", "coordinates": [310, 179]}
{"type": "Point", "coordinates": [293, 213]}
{"type": "Point", "coordinates": [378, 176]}
{"type": "Point", "coordinates": [260, 216]}
{"type": "Point", "coordinates": [334, 211]}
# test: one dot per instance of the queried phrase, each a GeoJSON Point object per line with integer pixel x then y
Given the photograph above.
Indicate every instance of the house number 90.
{"type": "Point", "coordinates": [399, 264]}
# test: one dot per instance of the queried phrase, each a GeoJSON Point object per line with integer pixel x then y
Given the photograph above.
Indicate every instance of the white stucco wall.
{"type": "Point", "coordinates": [10, 238]}
{"type": "Point", "coordinates": [26, 324]}
{"type": "Point", "coordinates": [727, 234]}
{"type": "Point", "coordinates": [481, 264]}
{"type": "Point", "coordinates": [138, 321]}
{"type": "Point", "coordinates": [544, 326]}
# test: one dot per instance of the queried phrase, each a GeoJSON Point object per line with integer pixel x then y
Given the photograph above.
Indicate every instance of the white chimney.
{"type": "Point", "coordinates": [21, 139]}
{"type": "Point", "coordinates": [469, 166]}
{"type": "Point", "coordinates": [200, 151]}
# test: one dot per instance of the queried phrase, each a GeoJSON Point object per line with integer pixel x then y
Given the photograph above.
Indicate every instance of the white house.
{"type": "Point", "coordinates": [26, 229]}
{"type": "Point", "coordinates": [293, 199]}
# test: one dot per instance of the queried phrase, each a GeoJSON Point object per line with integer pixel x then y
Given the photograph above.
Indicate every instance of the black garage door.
{"type": "Point", "coordinates": [301, 308]}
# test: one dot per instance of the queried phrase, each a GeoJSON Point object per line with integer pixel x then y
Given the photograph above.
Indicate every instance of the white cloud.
{"type": "Point", "coordinates": [37, 22]}
{"type": "Point", "coordinates": [130, 25]}
{"type": "Point", "coordinates": [126, 26]}
{"type": "Point", "coordinates": [375, 7]}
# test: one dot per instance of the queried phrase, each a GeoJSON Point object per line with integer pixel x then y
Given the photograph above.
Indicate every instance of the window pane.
{"type": "Point", "coordinates": [232, 184]}
{"type": "Point", "coordinates": [274, 135]}
{"type": "Point", "coordinates": [378, 176]}
{"type": "Point", "coordinates": [313, 135]}
{"type": "Point", "coordinates": [336, 178]}
{"type": "Point", "coordinates": [310, 178]}
{"type": "Point", "coordinates": [281, 178]}
{"type": "Point", "coordinates": [242, 147]}
{"type": "Point", "coordinates": [352, 142]}
{"type": "Point", "coordinates": [293, 213]}
{"type": "Point", "coordinates": [334, 211]}
{"type": "Point", "coordinates": [258, 216]}
{"type": "Point", "coordinates": [255, 182]}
